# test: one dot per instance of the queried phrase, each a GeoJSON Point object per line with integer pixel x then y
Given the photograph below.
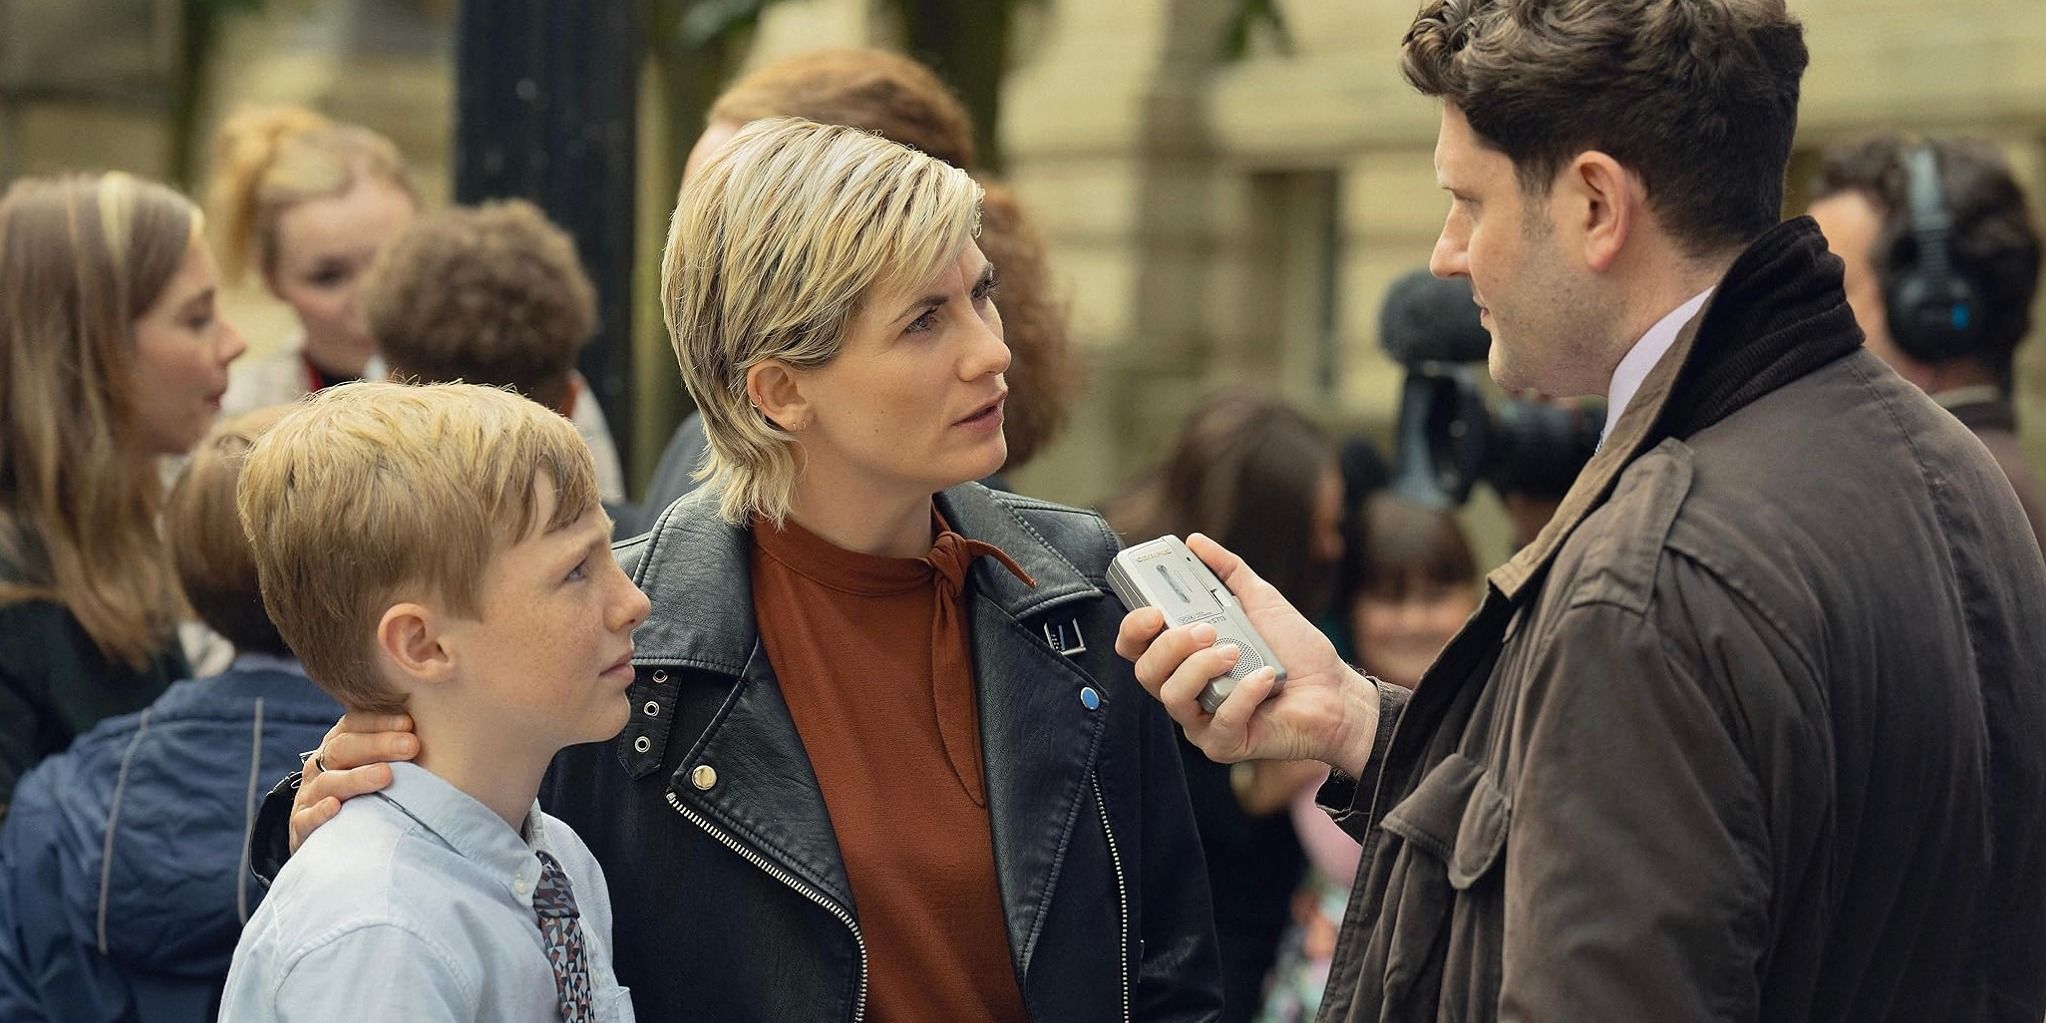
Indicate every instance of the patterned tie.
{"type": "Point", "coordinates": [562, 930]}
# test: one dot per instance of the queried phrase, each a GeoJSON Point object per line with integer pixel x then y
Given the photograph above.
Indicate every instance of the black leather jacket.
{"type": "Point", "coordinates": [731, 900]}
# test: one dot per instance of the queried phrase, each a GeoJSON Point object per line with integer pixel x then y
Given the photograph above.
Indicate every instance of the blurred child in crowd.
{"type": "Point", "coordinates": [124, 877]}
{"type": "Point", "coordinates": [1413, 582]}
{"type": "Point", "coordinates": [112, 353]}
{"type": "Point", "coordinates": [1259, 477]}
{"type": "Point", "coordinates": [495, 295]}
{"type": "Point", "coordinates": [305, 204]}
{"type": "Point", "coordinates": [905, 102]}
{"type": "Point", "coordinates": [308, 204]}
{"type": "Point", "coordinates": [439, 551]}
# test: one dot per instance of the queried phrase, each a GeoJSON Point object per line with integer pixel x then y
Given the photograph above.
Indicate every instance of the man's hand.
{"type": "Point", "coordinates": [353, 760]}
{"type": "Point", "coordinates": [1326, 711]}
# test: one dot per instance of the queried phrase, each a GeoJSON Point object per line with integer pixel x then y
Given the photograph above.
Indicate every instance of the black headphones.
{"type": "Point", "coordinates": [1935, 313]}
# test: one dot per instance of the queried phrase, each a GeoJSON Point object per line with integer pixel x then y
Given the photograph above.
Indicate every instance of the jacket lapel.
{"type": "Point", "coordinates": [765, 792]}
{"type": "Point", "coordinates": [695, 568]}
{"type": "Point", "coordinates": [1039, 741]}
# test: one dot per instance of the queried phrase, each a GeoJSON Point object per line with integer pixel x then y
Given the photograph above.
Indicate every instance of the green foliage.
{"type": "Point", "coordinates": [1247, 19]}
{"type": "Point", "coordinates": [708, 24]}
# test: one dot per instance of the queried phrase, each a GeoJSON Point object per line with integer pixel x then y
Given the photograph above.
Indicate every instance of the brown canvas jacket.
{"type": "Point", "coordinates": [1751, 731]}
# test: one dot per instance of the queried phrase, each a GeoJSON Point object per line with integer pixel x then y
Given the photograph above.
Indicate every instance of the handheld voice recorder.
{"type": "Point", "coordinates": [1163, 574]}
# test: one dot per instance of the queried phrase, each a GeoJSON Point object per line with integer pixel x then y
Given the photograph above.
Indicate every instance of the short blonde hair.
{"type": "Point", "coordinates": [775, 244]}
{"type": "Point", "coordinates": [368, 490]}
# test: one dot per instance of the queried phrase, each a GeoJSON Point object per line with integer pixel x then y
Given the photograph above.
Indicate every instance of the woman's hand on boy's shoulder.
{"type": "Point", "coordinates": [353, 760]}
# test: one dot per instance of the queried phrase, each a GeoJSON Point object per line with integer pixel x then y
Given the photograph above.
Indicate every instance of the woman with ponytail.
{"type": "Point", "coordinates": [305, 204]}
{"type": "Point", "coordinates": [308, 204]}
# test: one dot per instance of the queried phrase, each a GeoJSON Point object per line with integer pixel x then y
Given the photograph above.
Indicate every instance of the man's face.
{"type": "Point", "coordinates": [1532, 296]}
{"type": "Point", "coordinates": [1850, 223]}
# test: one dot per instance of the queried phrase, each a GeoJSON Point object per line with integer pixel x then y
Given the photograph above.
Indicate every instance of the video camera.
{"type": "Point", "coordinates": [1450, 435]}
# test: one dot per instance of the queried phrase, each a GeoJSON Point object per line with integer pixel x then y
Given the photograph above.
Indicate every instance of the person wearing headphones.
{"type": "Point", "coordinates": [1942, 263]}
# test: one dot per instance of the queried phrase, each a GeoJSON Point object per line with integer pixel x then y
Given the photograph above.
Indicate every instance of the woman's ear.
{"type": "Point", "coordinates": [773, 387]}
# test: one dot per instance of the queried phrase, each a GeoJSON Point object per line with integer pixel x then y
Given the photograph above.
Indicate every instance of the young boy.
{"type": "Point", "coordinates": [439, 550]}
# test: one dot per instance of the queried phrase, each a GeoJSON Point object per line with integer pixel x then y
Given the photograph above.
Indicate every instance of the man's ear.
{"type": "Point", "coordinates": [411, 642]}
{"type": "Point", "coordinates": [1604, 199]}
{"type": "Point", "coordinates": [775, 388]}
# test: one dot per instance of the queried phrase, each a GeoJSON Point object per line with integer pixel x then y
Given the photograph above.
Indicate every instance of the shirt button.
{"type": "Point", "coordinates": [660, 676]}
{"type": "Point", "coordinates": [522, 886]}
{"type": "Point", "coordinates": [1089, 698]}
{"type": "Point", "coordinates": [642, 744]}
{"type": "Point", "coordinates": [652, 709]}
{"type": "Point", "coordinates": [703, 777]}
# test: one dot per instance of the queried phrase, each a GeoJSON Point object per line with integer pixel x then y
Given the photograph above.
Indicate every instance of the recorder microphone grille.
{"type": "Point", "coordinates": [1247, 661]}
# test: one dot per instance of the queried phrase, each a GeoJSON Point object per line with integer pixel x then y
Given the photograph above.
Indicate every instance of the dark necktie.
{"type": "Point", "coordinates": [561, 929]}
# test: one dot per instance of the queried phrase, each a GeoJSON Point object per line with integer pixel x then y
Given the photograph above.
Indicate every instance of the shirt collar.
{"type": "Point", "coordinates": [471, 829]}
{"type": "Point", "coordinates": [1648, 351]}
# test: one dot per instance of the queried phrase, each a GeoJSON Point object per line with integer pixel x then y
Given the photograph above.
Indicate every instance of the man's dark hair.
{"type": "Point", "coordinates": [1698, 97]}
{"type": "Point", "coordinates": [1993, 244]}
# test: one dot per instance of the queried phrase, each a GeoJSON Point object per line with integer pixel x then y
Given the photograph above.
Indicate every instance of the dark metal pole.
{"type": "Point", "coordinates": [546, 103]}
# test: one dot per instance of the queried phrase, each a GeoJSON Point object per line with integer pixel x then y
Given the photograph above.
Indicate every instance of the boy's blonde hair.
{"type": "Point", "coordinates": [775, 244]}
{"type": "Point", "coordinates": [372, 493]}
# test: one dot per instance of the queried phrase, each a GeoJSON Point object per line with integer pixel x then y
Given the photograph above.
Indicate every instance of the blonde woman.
{"type": "Point", "coordinates": [308, 205]}
{"type": "Point", "coordinates": [112, 353]}
{"type": "Point", "coordinates": [904, 101]}
{"type": "Point", "coordinates": [882, 760]}
{"type": "Point", "coordinates": [305, 204]}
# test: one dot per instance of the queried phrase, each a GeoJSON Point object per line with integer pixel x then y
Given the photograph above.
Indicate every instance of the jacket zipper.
{"type": "Point", "coordinates": [1122, 897]}
{"type": "Point", "coordinates": [783, 876]}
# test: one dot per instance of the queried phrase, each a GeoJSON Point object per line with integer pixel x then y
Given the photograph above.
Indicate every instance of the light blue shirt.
{"type": "Point", "coordinates": [417, 904]}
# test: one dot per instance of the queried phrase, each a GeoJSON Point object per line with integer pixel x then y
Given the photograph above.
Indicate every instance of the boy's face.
{"type": "Point", "coordinates": [551, 647]}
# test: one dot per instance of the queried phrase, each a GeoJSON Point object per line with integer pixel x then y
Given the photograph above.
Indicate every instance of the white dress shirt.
{"type": "Point", "coordinates": [1641, 359]}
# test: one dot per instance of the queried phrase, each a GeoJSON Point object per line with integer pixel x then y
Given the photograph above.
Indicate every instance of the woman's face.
{"type": "Point", "coordinates": [912, 404]}
{"type": "Point", "coordinates": [1399, 631]}
{"type": "Point", "coordinates": [182, 348]}
{"type": "Point", "coordinates": [323, 247]}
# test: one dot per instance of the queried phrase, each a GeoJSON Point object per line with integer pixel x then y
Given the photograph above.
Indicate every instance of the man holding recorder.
{"type": "Point", "coordinates": [1752, 730]}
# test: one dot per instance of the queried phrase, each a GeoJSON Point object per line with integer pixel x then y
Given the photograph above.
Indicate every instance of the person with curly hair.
{"type": "Point", "coordinates": [493, 294]}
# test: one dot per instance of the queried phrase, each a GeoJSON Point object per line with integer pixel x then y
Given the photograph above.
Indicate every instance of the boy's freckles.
{"type": "Point", "coordinates": [552, 643]}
